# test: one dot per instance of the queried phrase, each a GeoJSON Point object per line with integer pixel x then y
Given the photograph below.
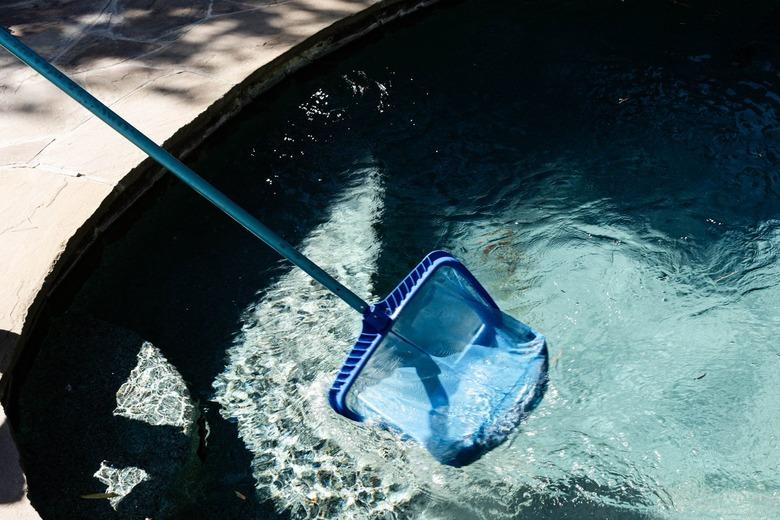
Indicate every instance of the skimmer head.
{"type": "Point", "coordinates": [448, 368]}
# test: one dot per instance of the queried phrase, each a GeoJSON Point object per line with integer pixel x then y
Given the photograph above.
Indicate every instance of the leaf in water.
{"type": "Point", "coordinates": [240, 495]}
{"type": "Point", "coordinates": [99, 496]}
{"type": "Point", "coordinates": [556, 358]}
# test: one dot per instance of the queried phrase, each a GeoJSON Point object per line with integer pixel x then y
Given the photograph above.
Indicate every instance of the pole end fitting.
{"type": "Point", "coordinates": [377, 318]}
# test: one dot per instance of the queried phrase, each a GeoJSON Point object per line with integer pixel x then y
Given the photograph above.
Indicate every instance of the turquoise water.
{"type": "Point", "coordinates": [610, 172]}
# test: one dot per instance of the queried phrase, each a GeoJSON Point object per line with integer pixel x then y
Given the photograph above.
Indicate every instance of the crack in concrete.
{"type": "Point", "coordinates": [35, 209]}
{"type": "Point", "coordinates": [39, 152]}
{"type": "Point", "coordinates": [17, 300]}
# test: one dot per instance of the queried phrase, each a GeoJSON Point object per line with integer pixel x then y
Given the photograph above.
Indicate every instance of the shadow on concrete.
{"type": "Point", "coordinates": [12, 481]}
{"type": "Point", "coordinates": [8, 341]}
{"type": "Point", "coordinates": [88, 35]}
{"type": "Point", "coordinates": [11, 476]}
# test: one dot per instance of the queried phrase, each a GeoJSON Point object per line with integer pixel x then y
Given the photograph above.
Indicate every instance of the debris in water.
{"type": "Point", "coordinates": [725, 276]}
{"type": "Point", "coordinates": [99, 496]}
{"type": "Point", "coordinates": [556, 358]}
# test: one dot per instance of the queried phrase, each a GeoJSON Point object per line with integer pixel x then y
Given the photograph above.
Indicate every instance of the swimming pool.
{"type": "Point", "coordinates": [610, 172]}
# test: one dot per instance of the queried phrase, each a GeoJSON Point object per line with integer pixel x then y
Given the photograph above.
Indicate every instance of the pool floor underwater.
{"type": "Point", "coordinates": [609, 172]}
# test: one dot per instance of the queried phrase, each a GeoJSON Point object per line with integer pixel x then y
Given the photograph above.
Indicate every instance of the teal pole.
{"type": "Point", "coordinates": [26, 55]}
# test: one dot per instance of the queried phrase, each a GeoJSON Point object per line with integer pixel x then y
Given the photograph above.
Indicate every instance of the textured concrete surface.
{"type": "Point", "coordinates": [175, 69]}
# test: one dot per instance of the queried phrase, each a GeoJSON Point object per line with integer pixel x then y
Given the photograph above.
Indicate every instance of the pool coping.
{"type": "Point", "coordinates": [54, 236]}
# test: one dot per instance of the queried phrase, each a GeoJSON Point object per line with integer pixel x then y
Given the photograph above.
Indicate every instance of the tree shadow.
{"type": "Point", "coordinates": [81, 35]}
{"type": "Point", "coordinates": [150, 40]}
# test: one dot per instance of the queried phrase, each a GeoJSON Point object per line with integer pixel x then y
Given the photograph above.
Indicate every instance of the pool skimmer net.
{"type": "Point", "coordinates": [436, 361]}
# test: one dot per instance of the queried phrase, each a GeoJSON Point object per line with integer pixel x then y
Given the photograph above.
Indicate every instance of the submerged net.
{"type": "Point", "coordinates": [454, 372]}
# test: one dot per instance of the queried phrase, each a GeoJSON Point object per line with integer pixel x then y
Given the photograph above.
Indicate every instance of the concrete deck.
{"type": "Point", "coordinates": [176, 69]}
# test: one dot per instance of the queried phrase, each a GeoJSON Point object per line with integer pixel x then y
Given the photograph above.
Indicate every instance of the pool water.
{"type": "Point", "coordinates": [610, 171]}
